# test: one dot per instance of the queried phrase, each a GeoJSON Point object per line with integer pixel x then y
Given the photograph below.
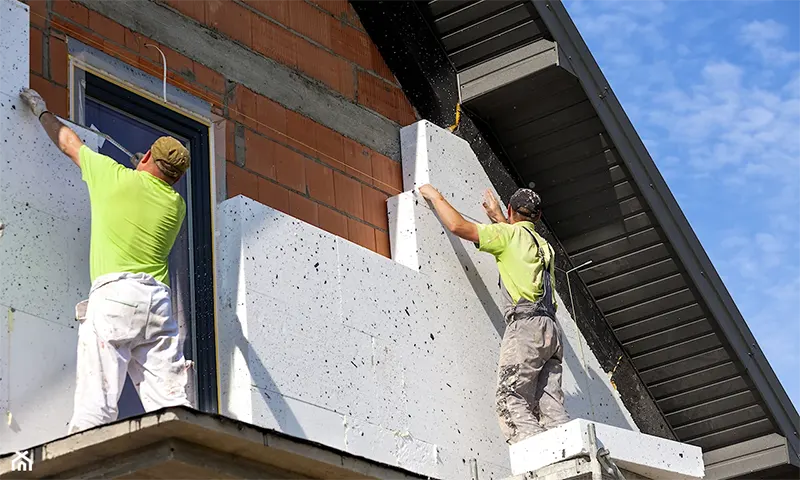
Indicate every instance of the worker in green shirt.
{"type": "Point", "coordinates": [127, 326]}
{"type": "Point", "coordinates": [529, 397]}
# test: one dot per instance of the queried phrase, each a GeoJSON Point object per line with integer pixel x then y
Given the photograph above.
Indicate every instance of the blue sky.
{"type": "Point", "coordinates": [713, 88]}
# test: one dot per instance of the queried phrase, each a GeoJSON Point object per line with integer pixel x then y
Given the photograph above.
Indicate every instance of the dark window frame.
{"type": "Point", "coordinates": [203, 339]}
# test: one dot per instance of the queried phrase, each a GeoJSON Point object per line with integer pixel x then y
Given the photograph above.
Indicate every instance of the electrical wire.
{"type": "Point", "coordinates": [134, 61]}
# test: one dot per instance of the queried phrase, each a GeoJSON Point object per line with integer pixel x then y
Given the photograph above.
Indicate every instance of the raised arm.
{"type": "Point", "coordinates": [65, 139]}
{"type": "Point", "coordinates": [451, 219]}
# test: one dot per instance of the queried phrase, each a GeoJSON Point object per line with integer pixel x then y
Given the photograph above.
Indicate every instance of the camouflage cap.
{"type": "Point", "coordinates": [526, 202]}
{"type": "Point", "coordinates": [170, 156]}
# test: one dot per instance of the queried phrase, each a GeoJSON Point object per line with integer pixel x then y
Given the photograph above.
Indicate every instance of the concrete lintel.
{"type": "Point", "coordinates": [651, 457]}
{"type": "Point", "coordinates": [254, 71]}
{"type": "Point", "coordinates": [747, 457]}
{"type": "Point", "coordinates": [507, 68]}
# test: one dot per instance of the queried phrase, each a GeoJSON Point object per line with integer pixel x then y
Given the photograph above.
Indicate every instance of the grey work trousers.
{"type": "Point", "coordinates": [529, 395]}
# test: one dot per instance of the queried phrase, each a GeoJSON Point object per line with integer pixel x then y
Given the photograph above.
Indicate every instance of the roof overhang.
{"type": "Point", "coordinates": [183, 443]}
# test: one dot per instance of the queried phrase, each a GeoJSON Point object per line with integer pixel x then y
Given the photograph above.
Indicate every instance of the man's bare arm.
{"type": "Point", "coordinates": [451, 219]}
{"type": "Point", "coordinates": [64, 137]}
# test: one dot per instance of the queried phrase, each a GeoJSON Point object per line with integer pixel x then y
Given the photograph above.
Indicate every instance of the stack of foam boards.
{"type": "Point", "coordinates": [393, 360]}
{"type": "Point", "coordinates": [44, 250]}
{"type": "Point", "coordinates": [651, 457]}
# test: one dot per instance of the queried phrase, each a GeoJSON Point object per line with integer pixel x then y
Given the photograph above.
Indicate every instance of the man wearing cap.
{"type": "Point", "coordinates": [529, 397]}
{"type": "Point", "coordinates": [128, 326]}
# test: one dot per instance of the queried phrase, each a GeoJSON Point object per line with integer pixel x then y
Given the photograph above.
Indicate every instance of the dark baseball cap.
{"type": "Point", "coordinates": [526, 202]}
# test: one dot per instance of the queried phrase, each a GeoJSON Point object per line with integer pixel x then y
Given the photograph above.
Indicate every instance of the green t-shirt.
{"type": "Point", "coordinates": [517, 257]}
{"type": "Point", "coordinates": [136, 218]}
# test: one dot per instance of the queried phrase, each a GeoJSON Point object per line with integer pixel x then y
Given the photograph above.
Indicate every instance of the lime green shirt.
{"type": "Point", "coordinates": [136, 218]}
{"type": "Point", "coordinates": [517, 257]}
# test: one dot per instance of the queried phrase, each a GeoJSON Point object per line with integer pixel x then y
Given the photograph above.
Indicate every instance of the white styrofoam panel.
{"type": "Point", "coordinates": [436, 156]}
{"type": "Point", "coordinates": [33, 170]}
{"type": "Point", "coordinates": [310, 366]}
{"type": "Point", "coordinates": [297, 418]}
{"type": "Point", "coordinates": [40, 383]}
{"type": "Point", "coordinates": [653, 457]}
{"type": "Point", "coordinates": [45, 263]}
{"type": "Point", "coordinates": [280, 240]}
{"type": "Point", "coordinates": [391, 447]}
{"type": "Point", "coordinates": [14, 50]}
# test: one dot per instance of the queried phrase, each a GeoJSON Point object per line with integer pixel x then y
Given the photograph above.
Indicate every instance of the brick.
{"type": "Point", "coordinates": [303, 208]}
{"type": "Point", "coordinates": [334, 72]}
{"type": "Point", "coordinates": [379, 64]}
{"type": "Point", "coordinates": [361, 234]}
{"type": "Point", "coordinates": [75, 12]}
{"type": "Point", "coordinates": [351, 44]}
{"type": "Point", "coordinates": [301, 133]}
{"type": "Point", "coordinates": [382, 244]}
{"type": "Point", "coordinates": [379, 96]}
{"type": "Point", "coordinates": [273, 195]}
{"type": "Point", "coordinates": [55, 96]}
{"type": "Point", "coordinates": [244, 107]}
{"type": "Point", "coordinates": [133, 41]}
{"type": "Point", "coordinates": [230, 141]}
{"type": "Point", "coordinates": [338, 8]}
{"type": "Point", "coordinates": [275, 9]}
{"type": "Point", "coordinates": [38, 12]}
{"type": "Point", "coordinates": [331, 147]}
{"type": "Point", "coordinates": [191, 8]}
{"type": "Point", "coordinates": [310, 22]}
{"type": "Point", "coordinates": [274, 41]}
{"type": "Point", "coordinates": [406, 115]}
{"type": "Point", "coordinates": [231, 19]}
{"type": "Point", "coordinates": [241, 182]}
{"type": "Point", "coordinates": [36, 55]}
{"type": "Point", "coordinates": [59, 62]}
{"type": "Point", "coordinates": [319, 182]}
{"type": "Point", "coordinates": [271, 118]}
{"type": "Point", "coordinates": [375, 207]}
{"type": "Point", "coordinates": [357, 159]}
{"type": "Point", "coordinates": [260, 154]}
{"type": "Point", "coordinates": [106, 28]}
{"type": "Point", "coordinates": [208, 78]}
{"type": "Point", "coordinates": [387, 174]}
{"type": "Point", "coordinates": [348, 195]}
{"type": "Point", "coordinates": [290, 168]}
{"type": "Point", "coordinates": [332, 221]}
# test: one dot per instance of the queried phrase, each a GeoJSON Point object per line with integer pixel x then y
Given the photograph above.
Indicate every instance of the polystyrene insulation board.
{"type": "Point", "coordinates": [652, 457]}
{"type": "Point", "coordinates": [44, 256]}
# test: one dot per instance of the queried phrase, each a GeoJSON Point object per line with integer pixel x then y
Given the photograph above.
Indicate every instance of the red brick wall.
{"type": "Point", "coordinates": [290, 162]}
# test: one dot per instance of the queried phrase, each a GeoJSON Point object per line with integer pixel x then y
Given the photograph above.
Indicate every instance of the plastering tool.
{"type": "Point", "coordinates": [101, 134]}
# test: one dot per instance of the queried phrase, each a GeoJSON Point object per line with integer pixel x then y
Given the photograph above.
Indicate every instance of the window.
{"type": "Point", "coordinates": [135, 122]}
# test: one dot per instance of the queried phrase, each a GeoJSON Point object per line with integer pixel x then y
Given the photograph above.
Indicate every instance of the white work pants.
{"type": "Point", "coordinates": [128, 329]}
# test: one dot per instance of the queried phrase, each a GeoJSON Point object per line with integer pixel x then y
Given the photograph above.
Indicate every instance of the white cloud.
{"type": "Point", "coordinates": [765, 37]}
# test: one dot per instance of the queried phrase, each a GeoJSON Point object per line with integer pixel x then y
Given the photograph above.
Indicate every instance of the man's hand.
{"type": "Point", "coordinates": [451, 219]}
{"type": "Point", "coordinates": [428, 192]}
{"type": "Point", "coordinates": [34, 101]}
{"type": "Point", "coordinates": [492, 207]}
